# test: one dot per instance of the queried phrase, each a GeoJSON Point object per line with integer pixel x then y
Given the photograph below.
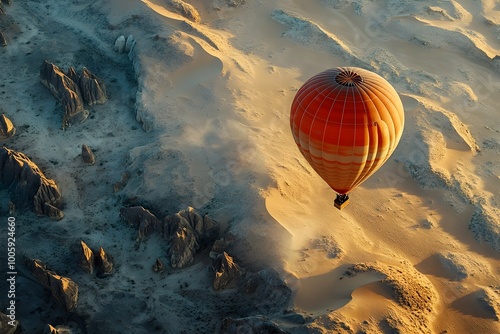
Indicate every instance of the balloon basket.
{"type": "Point", "coordinates": [341, 201]}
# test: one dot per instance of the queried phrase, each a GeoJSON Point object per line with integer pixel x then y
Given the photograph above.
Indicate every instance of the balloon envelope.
{"type": "Point", "coordinates": [347, 122]}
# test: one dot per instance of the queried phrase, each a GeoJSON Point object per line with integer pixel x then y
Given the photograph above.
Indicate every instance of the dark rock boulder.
{"type": "Point", "coordinates": [66, 91]}
{"type": "Point", "coordinates": [120, 44]}
{"type": "Point", "coordinates": [27, 184]}
{"type": "Point", "coordinates": [251, 325]}
{"type": "Point", "coordinates": [225, 271]}
{"type": "Point", "coordinates": [158, 266]}
{"type": "Point", "coordinates": [3, 41]}
{"type": "Point", "coordinates": [103, 263]}
{"type": "Point", "coordinates": [142, 218]}
{"type": "Point", "coordinates": [63, 289]}
{"type": "Point", "coordinates": [85, 258]}
{"type": "Point", "coordinates": [92, 88]}
{"type": "Point", "coordinates": [7, 129]}
{"type": "Point", "coordinates": [118, 186]}
{"type": "Point", "coordinates": [87, 155]}
{"type": "Point", "coordinates": [8, 325]}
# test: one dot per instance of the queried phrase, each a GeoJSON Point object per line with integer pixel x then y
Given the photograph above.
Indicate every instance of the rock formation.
{"type": "Point", "coordinates": [3, 41]}
{"type": "Point", "coordinates": [142, 218]}
{"type": "Point", "coordinates": [158, 266]}
{"type": "Point", "coordinates": [73, 91]}
{"type": "Point", "coordinates": [122, 183]}
{"type": "Point", "coordinates": [129, 44]}
{"type": "Point", "coordinates": [27, 184]}
{"type": "Point", "coordinates": [86, 259]}
{"type": "Point", "coordinates": [221, 245]}
{"type": "Point", "coordinates": [87, 155]}
{"type": "Point", "coordinates": [71, 73]}
{"type": "Point", "coordinates": [7, 129]}
{"type": "Point", "coordinates": [187, 232]}
{"type": "Point", "coordinates": [225, 271]}
{"type": "Point", "coordinates": [6, 324]}
{"type": "Point", "coordinates": [120, 44]}
{"type": "Point", "coordinates": [186, 10]}
{"type": "Point", "coordinates": [182, 246]}
{"type": "Point", "coordinates": [49, 329]}
{"type": "Point", "coordinates": [52, 212]}
{"type": "Point", "coordinates": [66, 91]}
{"type": "Point", "coordinates": [92, 88]}
{"type": "Point", "coordinates": [63, 289]}
{"type": "Point", "coordinates": [103, 263]}
{"type": "Point", "coordinates": [94, 261]}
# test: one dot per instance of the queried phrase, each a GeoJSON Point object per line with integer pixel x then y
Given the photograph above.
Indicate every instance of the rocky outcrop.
{"type": "Point", "coordinates": [92, 88]}
{"type": "Point", "coordinates": [66, 91]}
{"type": "Point", "coordinates": [8, 325]}
{"type": "Point", "coordinates": [85, 258]}
{"type": "Point", "coordinates": [52, 212]}
{"type": "Point", "coordinates": [158, 266]}
{"type": "Point", "coordinates": [73, 91]}
{"type": "Point", "coordinates": [118, 186]}
{"type": "Point", "coordinates": [186, 10]}
{"type": "Point", "coordinates": [63, 289]}
{"type": "Point", "coordinates": [103, 263]}
{"type": "Point", "coordinates": [124, 45]}
{"type": "Point", "coordinates": [27, 184]}
{"type": "Point", "coordinates": [142, 218]}
{"type": "Point", "coordinates": [221, 245]}
{"type": "Point", "coordinates": [92, 261]}
{"type": "Point", "coordinates": [120, 44]}
{"type": "Point", "coordinates": [187, 232]}
{"type": "Point", "coordinates": [87, 155]}
{"type": "Point", "coordinates": [49, 329]}
{"type": "Point", "coordinates": [225, 271]}
{"type": "Point", "coordinates": [3, 41]}
{"type": "Point", "coordinates": [7, 129]}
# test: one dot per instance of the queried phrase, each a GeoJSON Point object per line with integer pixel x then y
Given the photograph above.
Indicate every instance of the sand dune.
{"type": "Point", "coordinates": [198, 115]}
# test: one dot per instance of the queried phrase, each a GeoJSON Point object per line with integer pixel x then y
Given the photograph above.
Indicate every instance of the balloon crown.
{"type": "Point", "coordinates": [348, 78]}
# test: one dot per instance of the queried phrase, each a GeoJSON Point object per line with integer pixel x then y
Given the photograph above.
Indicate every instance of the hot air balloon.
{"type": "Point", "coordinates": [346, 121]}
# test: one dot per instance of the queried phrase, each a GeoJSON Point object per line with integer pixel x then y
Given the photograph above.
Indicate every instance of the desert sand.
{"type": "Point", "coordinates": [198, 115]}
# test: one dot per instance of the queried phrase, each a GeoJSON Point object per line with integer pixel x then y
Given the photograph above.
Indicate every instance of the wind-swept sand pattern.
{"type": "Point", "coordinates": [198, 115]}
